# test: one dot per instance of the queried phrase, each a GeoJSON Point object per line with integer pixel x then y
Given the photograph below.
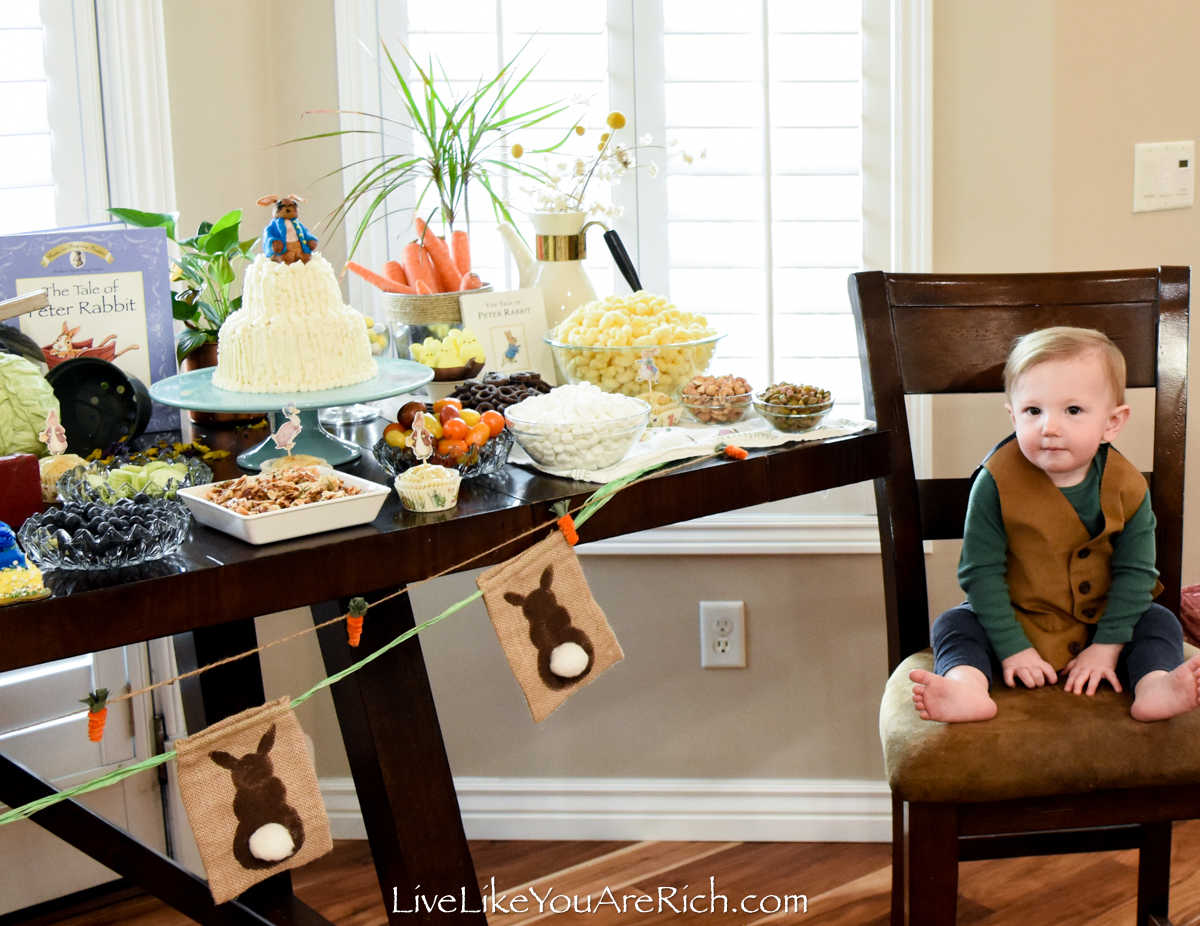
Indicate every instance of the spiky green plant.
{"type": "Point", "coordinates": [455, 138]}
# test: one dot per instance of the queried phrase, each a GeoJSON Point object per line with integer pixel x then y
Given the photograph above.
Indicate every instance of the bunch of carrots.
{"type": "Point", "coordinates": [428, 266]}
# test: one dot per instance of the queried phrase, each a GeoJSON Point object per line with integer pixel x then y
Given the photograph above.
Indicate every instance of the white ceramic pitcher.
{"type": "Point", "coordinates": [556, 264]}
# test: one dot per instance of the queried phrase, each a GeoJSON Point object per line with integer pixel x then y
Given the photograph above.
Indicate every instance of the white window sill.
{"type": "Point", "coordinates": [748, 534]}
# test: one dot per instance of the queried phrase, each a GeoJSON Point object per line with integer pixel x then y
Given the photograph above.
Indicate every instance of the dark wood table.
{"type": "Point", "coordinates": [208, 595]}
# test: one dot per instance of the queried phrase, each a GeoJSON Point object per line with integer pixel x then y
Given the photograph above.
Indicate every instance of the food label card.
{"type": "Point", "coordinates": [110, 298]}
{"type": "Point", "coordinates": [510, 326]}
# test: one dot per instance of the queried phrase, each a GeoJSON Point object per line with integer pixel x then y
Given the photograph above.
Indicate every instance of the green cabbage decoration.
{"type": "Point", "coordinates": [26, 400]}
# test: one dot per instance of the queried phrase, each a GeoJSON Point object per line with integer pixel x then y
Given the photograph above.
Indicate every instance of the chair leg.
{"type": "Point", "coordinates": [1154, 873]}
{"type": "Point", "coordinates": [933, 864]}
{"type": "Point", "coordinates": [899, 844]}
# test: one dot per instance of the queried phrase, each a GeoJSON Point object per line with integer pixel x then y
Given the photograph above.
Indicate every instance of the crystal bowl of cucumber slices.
{"type": "Point", "coordinates": [108, 483]}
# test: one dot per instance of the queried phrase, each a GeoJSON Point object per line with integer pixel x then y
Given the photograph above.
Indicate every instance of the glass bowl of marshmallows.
{"type": "Point", "coordinates": [577, 427]}
{"type": "Point", "coordinates": [601, 343]}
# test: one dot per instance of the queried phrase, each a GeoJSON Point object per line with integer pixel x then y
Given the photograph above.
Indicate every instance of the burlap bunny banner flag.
{"type": "Point", "coordinates": [553, 633]}
{"type": "Point", "coordinates": [252, 798]}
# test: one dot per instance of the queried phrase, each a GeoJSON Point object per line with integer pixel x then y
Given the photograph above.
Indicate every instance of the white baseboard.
{"type": "Point", "coordinates": [752, 810]}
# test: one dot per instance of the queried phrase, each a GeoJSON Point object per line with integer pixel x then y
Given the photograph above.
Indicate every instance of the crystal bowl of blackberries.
{"type": "Point", "coordinates": [90, 535]}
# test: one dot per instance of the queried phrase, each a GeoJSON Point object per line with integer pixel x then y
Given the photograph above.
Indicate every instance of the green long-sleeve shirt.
{"type": "Point", "coordinates": [982, 567]}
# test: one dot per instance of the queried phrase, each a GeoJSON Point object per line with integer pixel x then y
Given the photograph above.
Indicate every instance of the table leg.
{"type": "Point", "coordinates": [401, 773]}
{"type": "Point", "coordinates": [221, 693]}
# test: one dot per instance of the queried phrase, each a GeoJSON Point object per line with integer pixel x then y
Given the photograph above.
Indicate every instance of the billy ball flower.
{"type": "Point", "coordinates": [615, 120]}
{"type": "Point", "coordinates": [517, 151]}
{"type": "Point", "coordinates": [579, 130]}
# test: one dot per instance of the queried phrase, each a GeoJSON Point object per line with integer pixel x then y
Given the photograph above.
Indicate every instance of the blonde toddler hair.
{"type": "Point", "coordinates": [1063, 343]}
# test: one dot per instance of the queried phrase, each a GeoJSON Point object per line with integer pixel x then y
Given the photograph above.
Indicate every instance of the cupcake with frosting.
{"type": "Point", "coordinates": [428, 488]}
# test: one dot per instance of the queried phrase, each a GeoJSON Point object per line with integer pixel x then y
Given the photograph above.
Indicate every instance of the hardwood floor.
{"type": "Point", "coordinates": [846, 884]}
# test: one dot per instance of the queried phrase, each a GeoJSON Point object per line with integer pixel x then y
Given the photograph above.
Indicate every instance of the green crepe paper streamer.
{"type": "Point", "coordinates": [603, 495]}
{"type": "Point", "coordinates": [27, 810]}
{"type": "Point", "coordinates": [595, 502]}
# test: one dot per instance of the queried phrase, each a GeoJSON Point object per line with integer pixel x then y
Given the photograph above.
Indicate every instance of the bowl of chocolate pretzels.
{"type": "Point", "coordinates": [497, 391]}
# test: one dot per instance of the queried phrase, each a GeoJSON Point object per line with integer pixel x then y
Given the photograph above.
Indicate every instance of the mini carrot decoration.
{"type": "Point", "coordinates": [565, 522]}
{"type": "Point", "coordinates": [443, 264]}
{"type": "Point", "coordinates": [384, 283]}
{"type": "Point", "coordinates": [354, 623]}
{"type": "Point", "coordinates": [734, 452]}
{"type": "Point", "coordinates": [423, 289]}
{"type": "Point", "coordinates": [470, 281]}
{"type": "Point", "coordinates": [394, 270]}
{"type": "Point", "coordinates": [462, 251]}
{"type": "Point", "coordinates": [418, 267]}
{"type": "Point", "coordinates": [97, 713]}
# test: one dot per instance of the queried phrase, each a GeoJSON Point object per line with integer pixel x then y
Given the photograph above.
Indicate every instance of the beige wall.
{"type": "Point", "coordinates": [1038, 105]}
{"type": "Point", "coordinates": [1037, 108]}
{"type": "Point", "coordinates": [241, 75]}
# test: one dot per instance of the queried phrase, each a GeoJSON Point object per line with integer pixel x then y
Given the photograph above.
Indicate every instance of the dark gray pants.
{"type": "Point", "coordinates": [959, 640]}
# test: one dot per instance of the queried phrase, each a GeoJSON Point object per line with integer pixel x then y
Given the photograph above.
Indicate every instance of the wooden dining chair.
{"type": "Point", "coordinates": [1052, 773]}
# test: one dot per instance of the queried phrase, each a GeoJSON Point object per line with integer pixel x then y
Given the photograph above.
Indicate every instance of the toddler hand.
{"type": "Point", "coordinates": [1030, 668]}
{"type": "Point", "coordinates": [1089, 668]}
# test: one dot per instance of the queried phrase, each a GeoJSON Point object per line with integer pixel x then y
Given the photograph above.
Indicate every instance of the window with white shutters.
{"type": "Point", "coordinates": [26, 184]}
{"type": "Point", "coordinates": [51, 133]}
{"type": "Point", "coordinates": [761, 234]}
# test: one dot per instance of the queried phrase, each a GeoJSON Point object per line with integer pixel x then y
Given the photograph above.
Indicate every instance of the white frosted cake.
{"type": "Point", "coordinates": [292, 333]}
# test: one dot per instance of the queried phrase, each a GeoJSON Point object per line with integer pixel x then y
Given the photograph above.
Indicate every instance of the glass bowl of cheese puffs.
{"type": "Point", "coordinates": [606, 343]}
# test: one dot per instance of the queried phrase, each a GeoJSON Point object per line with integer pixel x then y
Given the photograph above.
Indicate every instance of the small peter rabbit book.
{"type": "Point", "coordinates": [510, 327]}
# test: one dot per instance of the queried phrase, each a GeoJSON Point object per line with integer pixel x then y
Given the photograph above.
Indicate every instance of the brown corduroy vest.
{"type": "Point", "coordinates": [1059, 577]}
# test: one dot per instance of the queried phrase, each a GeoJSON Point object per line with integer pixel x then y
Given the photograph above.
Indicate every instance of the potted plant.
{"type": "Point", "coordinates": [204, 278]}
{"type": "Point", "coordinates": [204, 273]}
{"type": "Point", "coordinates": [455, 140]}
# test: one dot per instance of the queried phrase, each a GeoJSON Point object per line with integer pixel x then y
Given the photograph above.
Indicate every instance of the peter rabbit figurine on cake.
{"type": "Point", "coordinates": [285, 239]}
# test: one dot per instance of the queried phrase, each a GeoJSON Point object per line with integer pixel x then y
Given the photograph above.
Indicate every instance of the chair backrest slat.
{"type": "Point", "coordinates": [950, 349]}
{"type": "Point", "coordinates": [926, 334]}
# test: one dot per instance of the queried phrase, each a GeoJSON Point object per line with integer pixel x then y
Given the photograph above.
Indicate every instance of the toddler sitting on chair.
{"type": "Point", "coordinates": [1058, 550]}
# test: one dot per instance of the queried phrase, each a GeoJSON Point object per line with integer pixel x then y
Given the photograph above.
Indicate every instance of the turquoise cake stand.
{"type": "Point", "coordinates": [195, 391]}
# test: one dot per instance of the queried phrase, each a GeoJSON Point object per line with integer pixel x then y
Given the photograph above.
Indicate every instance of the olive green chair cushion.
{"type": "Point", "coordinates": [1042, 741]}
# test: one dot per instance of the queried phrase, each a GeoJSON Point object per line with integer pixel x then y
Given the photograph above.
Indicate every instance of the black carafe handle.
{"type": "Point", "coordinates": [621, 256]}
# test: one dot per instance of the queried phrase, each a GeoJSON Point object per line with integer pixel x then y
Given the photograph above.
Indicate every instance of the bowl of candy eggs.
{"type": "Point", "coordinates": [602, 343]}
{"type": "Point", "coordinates": [378, 334]}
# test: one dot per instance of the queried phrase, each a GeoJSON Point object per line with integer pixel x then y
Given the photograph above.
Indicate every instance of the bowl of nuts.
{"type": "Point", "coordinates": [717, 399]}
{"type": "Point", "coordinates": [788, 407]}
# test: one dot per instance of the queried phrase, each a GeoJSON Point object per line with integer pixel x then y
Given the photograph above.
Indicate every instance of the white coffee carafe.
{"type": "Point", "coordinates": [556, 264]}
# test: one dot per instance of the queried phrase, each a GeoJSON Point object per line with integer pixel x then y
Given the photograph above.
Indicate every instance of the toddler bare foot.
{"type": "Point", "coordinates": [1162, 695]}
{"type": "Point", "coordinates": [951, 700]}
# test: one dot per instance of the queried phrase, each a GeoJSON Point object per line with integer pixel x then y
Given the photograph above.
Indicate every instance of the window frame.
{"type": "Point", "coordinates": [897, 227]}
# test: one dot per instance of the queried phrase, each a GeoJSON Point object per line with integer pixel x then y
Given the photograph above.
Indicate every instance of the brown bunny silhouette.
{"type": "Point", "coordinates": [260, 798]}
{"type": "Point", "coordinates": [549, 628]}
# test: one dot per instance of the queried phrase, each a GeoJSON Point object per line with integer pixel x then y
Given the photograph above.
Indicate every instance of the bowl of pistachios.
{"type": "Point", "coordinates": [791, 407]}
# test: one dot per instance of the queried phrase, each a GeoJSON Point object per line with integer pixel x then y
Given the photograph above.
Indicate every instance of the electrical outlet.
{"type": "Point", "coordinates": [723, 634]}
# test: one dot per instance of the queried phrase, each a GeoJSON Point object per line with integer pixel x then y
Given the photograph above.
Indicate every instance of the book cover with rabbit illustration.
{"type": "Point", "coordinates": [553, 633]}
{"type": "Point", "coordinates": [110, 298]}
{"type": "Point", "coordinates": [252, 798]}
{"type": "Point", "coordinates": [510, 326]}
